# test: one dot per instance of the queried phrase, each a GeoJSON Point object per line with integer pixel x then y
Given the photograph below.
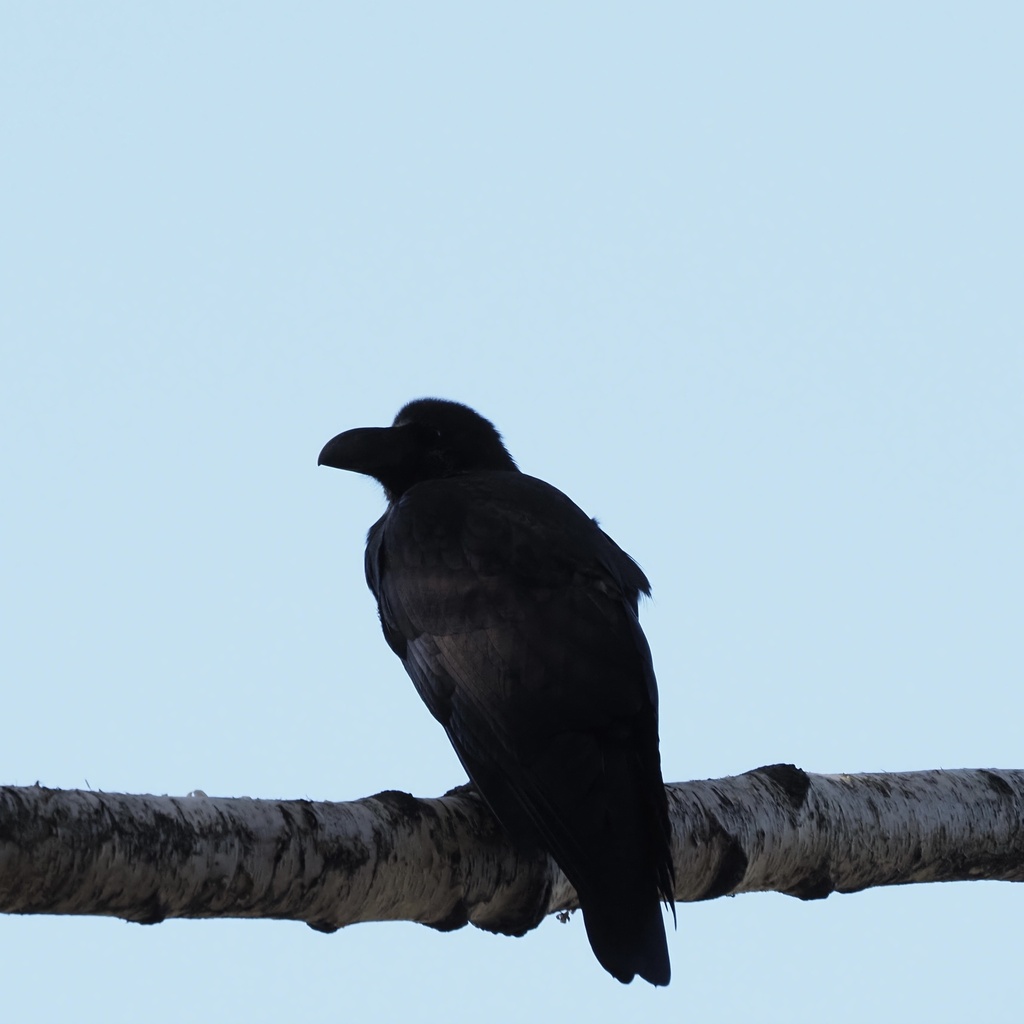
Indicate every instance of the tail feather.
{"type": "Point", "coordinates": [628, 940]}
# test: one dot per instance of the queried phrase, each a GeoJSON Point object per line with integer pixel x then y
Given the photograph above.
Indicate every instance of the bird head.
{"type": "Point", "coordinates": [430, 439]}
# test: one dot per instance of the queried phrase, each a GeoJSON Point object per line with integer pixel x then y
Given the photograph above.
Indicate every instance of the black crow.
{"type": "Point", "coordinates": [516, 617]}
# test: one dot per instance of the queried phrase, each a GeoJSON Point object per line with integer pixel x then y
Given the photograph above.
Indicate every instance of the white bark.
{"type": "Point", "coordinates": [445, 862]}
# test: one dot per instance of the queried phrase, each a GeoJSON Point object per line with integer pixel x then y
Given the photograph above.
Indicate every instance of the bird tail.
{"type": "Point", "coordinates": [628, 939]}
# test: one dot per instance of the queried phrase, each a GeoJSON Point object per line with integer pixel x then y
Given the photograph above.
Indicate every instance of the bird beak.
{"type": "Point", "coordinates": [372, 450]}
{"type": "Point", "coordinates": [362, 450]}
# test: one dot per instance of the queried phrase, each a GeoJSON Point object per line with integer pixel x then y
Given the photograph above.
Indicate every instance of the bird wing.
{"type": "Point", "coordinates": [515, 616]}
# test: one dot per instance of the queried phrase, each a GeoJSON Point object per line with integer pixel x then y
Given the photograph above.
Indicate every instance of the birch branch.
{"type": "Point", "coordinates": [446, 862]}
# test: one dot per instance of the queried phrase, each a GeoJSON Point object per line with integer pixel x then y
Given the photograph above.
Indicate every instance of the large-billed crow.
{"type": "Point", "coordinates": [516, 617]}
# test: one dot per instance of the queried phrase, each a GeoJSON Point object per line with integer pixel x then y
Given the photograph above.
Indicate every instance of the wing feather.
{"type": "Point", "coordinates": [515, 616]}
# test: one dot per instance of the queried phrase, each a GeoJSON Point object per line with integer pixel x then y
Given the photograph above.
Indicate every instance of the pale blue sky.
{"type": "Point", "coordinates": [743, 280]}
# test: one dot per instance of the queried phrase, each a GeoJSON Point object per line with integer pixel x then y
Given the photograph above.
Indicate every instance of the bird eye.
{"type": "Point", "coordinates": [427, 433]}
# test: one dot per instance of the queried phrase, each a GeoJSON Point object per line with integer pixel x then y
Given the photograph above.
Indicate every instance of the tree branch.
{"type": "Point", "coordinates": [445, 862]}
